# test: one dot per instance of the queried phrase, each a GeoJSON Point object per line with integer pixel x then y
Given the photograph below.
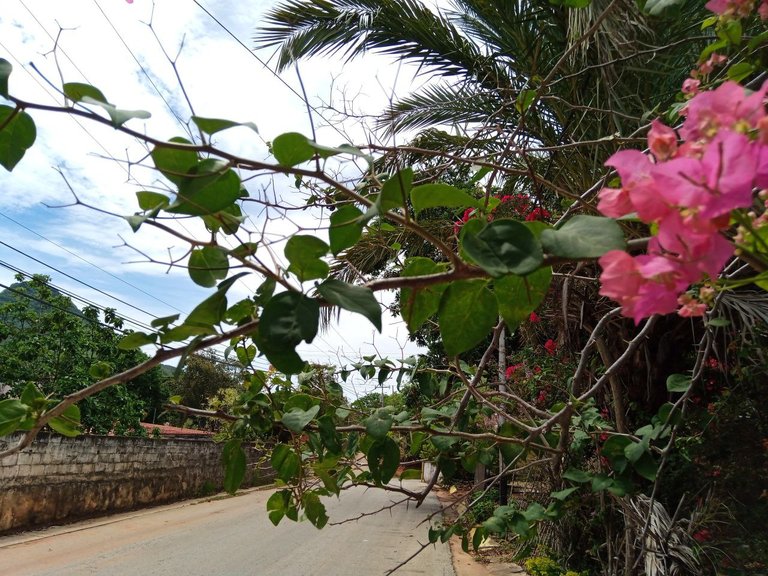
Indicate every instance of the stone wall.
{"type": "Point", "coordinates": [61, 479]}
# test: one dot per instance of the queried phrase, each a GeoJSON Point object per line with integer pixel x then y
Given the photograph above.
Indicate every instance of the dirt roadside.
{"type": "Point", "coordinates": [465, 564]}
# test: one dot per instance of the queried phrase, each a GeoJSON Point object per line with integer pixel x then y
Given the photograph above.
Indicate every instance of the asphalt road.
{"type": "Point", "coordinates": [233, 537]}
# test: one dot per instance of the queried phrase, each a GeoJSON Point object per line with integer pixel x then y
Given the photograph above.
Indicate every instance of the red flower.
{"type": "Point", "coordinates": [702, 535]}
{"type": "Point", "coordinates": [550, 347]}
{"type": "Point", "coordinates": [533, 318]}
{"type": "Point", "coordinates": [537, 369]}
{"type": "Point", "coordinates": [538, 213]}
{"type": "Point", "coordinates": [509, 371]}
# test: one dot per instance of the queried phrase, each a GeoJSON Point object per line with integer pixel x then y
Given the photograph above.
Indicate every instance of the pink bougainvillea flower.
{"type": "Point", "coordinates": [550, 346]}
{"type": "Point", "coordinates": [715, 60]}
{"type": "Point", "coordinates": [763, 10]}
{"type": "Point", "coordinates": [615, 202]}
{"type": "Point", "coordinates": [534, 318]}
{"type": "Point", "coordinates": [635, 170]}
{"type": "Point", "coordinates": [662, 141]}
{"type": "Point", "coordinates": [644, 285]}
{"type": "Point", "coordinates": [727, 106]}
{"type": "Point", "coordinates": [690, 86]}
{"type": "Point", "coordinates": [721, 180]}
{"type": "Point", "coordinates": [691, 307]}
{"type": "Point", "coordinates": [698, 249]}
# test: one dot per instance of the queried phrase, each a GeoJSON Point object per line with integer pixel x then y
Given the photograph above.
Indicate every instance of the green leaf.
{"type": "Point", "coordinates": [5, 71]}
{"type": "Point", "coordinates": [208, 265]}
{"type": "Point", "coordinates": [395, 190]}
{"type": "Point", "coordinates": [678, 383]}
{"type": "Point", "coordinates": [563, 494]}
{"type": "Point", "coordinates": [577, 475]}
{"type": "Point", "coordinates": [16, 137]}
{"type": "Point", "coordinates": [419, 304]}
{"type": "Point", "coordinates": [417, 439]}
{"type": "Point", "coordinates": [304, 253]}
{"type": "Point", "coordinates": [135, 340]}
{"type": "Point", "coordinates": [278, 505]}
{"type": "Point", "coordinates": [434, 195]}
{"type": "Point", "coordinates": [353, 298]}
{"type": "Point", "coordinates": [212, 310]}
{"type": "Point", "coordinates": [525, 98]}
{"type": "Point", "coordinates": [12, 412]}
{"type": "Point", "coordinates": [213, 125]}
{"type": "Point", "coordinates": [583, 237]}
{"type": "Point", "coordinates": [634, 450]}
{"type": "Point", "coordinates": [328, 151]}
{"type": "Point", "coordinates": [503, 247]}
{"type": "Point", "coordinates": [117, 115]}
{"type": "Point", "coordinates": [297, 419]}
{"type": "Point", "coordinates": [613, 450]}
{"type": "Point", "coordinates": [77, 91]}
{"type": "Point", "coordinates": [288, 318]}
{"type": "Point", "coordinates": [731, 31]}
{"type": "Point", "coordinates": [383, 459]}
{"type": "Point", "coordinates": [285, 462]}
{"type": "Point", "coordinates": [233, 458]}
{"type": "Point", "coordinates": [740, 71]}
{"type": "Point", "coordinates": [210, 186]}
{"type": "Point", "coordinates": [152, 200]}
{"type": "Point", "coordinates": [601, 482]}
{"type": "Point", "coordinates": [468, 311]}
{"type": "Point", "coordinates": [33, 397]}
{"type": "Point", "coordinates": [444, 443]}
{"type": "Point", "coordinates": [164, 321]}
{"type": "Point", "coordinates": [378, 423]}
{"type": "Point", "coordinates": [101, 370]}
{"type": "Point", "coordinates": [494, 525]}
{"type": "Point", "coordinates": [314, 509]}
{"type": "Point", "coordinates": [478, 537]}
{"type": "Point", "coordinates": [646, 466]}
{"type": "Point", "coordinates": [519, 296]}
{"type": "Point", "coordinates": [292, 148]}
{"type": "Point", "coordinates": [174, 163]}
{"type": "Point", "coordinates": [345, 229]}
{"type": "Point", "coordinates": [68, 423]}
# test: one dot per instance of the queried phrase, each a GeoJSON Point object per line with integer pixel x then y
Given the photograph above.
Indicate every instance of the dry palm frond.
{"type": "Point", "coordinates": [667, 548]}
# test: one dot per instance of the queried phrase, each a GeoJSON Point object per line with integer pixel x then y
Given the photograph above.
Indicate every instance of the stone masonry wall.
{"type": "Point", "coordinates": [61, 479]}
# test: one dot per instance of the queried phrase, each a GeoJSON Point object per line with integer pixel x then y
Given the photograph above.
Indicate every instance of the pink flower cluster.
{"type": "Point", "coordinates": [737, 8]}
{"type": "Point", "coordinates": [687, 192]}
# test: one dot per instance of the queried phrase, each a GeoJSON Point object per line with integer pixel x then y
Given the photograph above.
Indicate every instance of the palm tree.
{"type": "Point", "coordinates": [487, 56]}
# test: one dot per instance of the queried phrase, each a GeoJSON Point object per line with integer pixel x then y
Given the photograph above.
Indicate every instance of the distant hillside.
{"type": "Point", "coordinates": [18, 291]}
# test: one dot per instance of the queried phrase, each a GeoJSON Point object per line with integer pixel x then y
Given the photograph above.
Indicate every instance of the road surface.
{"type": "Point", "coordinates": [233, 537]}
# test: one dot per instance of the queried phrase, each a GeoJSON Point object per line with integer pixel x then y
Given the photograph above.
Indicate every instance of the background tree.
{"type": "Point", "coordinates": [46, 340]}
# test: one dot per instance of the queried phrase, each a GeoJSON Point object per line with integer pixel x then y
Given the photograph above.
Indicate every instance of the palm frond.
{"type": "Point", "coordinates": [405, 29]}
{"type": "Point", "coordinates": [442, 104]}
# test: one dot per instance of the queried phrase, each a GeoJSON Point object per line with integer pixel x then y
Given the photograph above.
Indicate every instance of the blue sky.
{"type": "Point", "coordinates": [109, 44]}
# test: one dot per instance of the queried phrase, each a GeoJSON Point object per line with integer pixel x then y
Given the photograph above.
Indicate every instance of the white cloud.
{"type": "Point", "coordinates": [222, 79]}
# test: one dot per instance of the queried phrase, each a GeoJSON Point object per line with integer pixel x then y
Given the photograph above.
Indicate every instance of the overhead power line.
{"type": "Point", "coordinates": [28, 229]}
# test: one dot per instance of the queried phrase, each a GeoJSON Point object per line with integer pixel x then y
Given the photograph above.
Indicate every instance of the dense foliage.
{"type": "Point", "coordinates": [47, 343]}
